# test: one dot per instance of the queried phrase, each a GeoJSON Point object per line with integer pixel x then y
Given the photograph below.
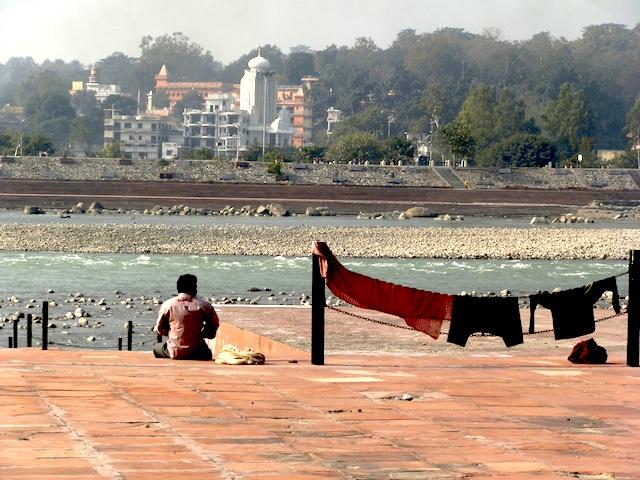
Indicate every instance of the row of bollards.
{"type": "Point", "coordinates": [13, 340]}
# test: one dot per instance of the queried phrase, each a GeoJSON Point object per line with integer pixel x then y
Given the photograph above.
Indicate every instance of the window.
{"type": "Point", "coordinates": [116, 125]}
{"type": "Point", "coordinates": [153, 138]}
{"type": "Point", "coordinates": [139, 137]}
{"type": "Point", "coordinates": [127, 125]}
{"type": "Point", "coordinates": [154, 126]}
{"type": "Point", "coordinates": [140, 126]}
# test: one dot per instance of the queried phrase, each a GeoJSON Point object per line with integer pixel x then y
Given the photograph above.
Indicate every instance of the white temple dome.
{"type": "Point", "coordinates": [260, 64]}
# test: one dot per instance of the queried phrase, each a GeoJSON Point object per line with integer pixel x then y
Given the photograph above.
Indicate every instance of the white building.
{"type": "Point", "coordinates": [140, 136]}
{"type": "Point", "coordinates": [228, 128]}
{"type": "Point", "coordinates": [101, 90]}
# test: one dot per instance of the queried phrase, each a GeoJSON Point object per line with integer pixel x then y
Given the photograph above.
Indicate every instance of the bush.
{"type": "Point", "coordinates": [520, 150]}
{"type": "Point", "coordinates": [274, 167]}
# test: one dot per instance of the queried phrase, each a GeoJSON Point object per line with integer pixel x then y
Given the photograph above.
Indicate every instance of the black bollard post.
{"type": "Point", "coordinates": [129, 334]}
{"type": "Point", "coordinates": [119, 343]}
{"type": "Point", "coordinates": [318, 301]}
{"type": "Point", "coordinates": [15, 332]}
{"type": "Point", "coordinates": [633, 310]}
{"type": "Point", "coordinates": [10, 342]}
{"type": "Point", "coordinates": [45, 325]}
{"type": "Point", "coordinates": [29, 329]}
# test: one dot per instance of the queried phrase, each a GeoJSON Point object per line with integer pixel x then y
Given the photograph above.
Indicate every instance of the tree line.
{"type": "Point", "coordinates": [476, 97]}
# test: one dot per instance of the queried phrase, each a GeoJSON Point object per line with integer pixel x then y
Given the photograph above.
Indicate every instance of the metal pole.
{"type": "Point", "coordinates": [45, 325]}
{"type": "Point", "coordinates": [633, 310]}
{"type": "Point", "coordinates": [29, 329]}
{"type": "Point", "coordinates": [10, 342]}
{"type": "Point", "coordinates": [15, 333]}
{"type": "Point", "coordinates": [264, 114]}
{"type": "Point", "coordinates": [318, 301]}
{"type": "Point", "coordinates": [21, 136]}
{"type": "Point", "coordinates": [237, 142]}
{"type": "Point", "coordinates": [129, 334]}
{"type": "Point", "coordinates": [119, 343]}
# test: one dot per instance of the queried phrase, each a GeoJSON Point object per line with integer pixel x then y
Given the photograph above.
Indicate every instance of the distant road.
{"type": "Point", "coordinates": [16, 193]}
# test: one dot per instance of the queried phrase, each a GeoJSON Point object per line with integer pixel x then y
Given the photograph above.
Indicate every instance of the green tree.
{"type": "Point", "coordinates": [309, 153]}
{"type": "Point", "coordinates": [373, 120]}
{"type": "Point", "coordinates": [111, 150]}
{"type": "Point", "coordinates": [479, 115]}
{"type": "Point", "coordinates": [50, 113]}
{"type": "Point", "coordinates": [7, 145]}
{"type": "Point", "coordinates": [520, 150]}
{"type": "Point", "coordinates": [203, 153]}
{"type": "Point", "coordinates": [120, 69]}
{"type": "Point", "coordinates": [457, 137]}
{"type": "Point", "coordinates": [399, 148]}
{"type": "Point", "coordinates": [123, 105]}
{"type": "Point", "coordinates": [566, 120]}
{"type": "Point", "coordinates": [632, 126]}
{"type": "Point", "coordinates": [184, 59]}
{"type": "Point", "coordinates": [87, 131]}
{"type": "Point", "coordinates": [298, 65]}
{"type": "Point", "coordinates": [36, 143]}
{"type": "Point", "coordinates": [356, 147]}
{"type": "Point", "coordinates": [509, 115]}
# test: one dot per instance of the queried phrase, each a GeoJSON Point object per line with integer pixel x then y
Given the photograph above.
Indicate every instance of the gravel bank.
{"type": "Point", "coordinates": [394, 242]}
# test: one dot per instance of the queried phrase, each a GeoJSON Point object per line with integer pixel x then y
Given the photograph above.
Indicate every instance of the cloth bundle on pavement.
{"type": "Point", "coordinates": [588, 351]}
{"type": "Point", "coordinates": [231, 355]}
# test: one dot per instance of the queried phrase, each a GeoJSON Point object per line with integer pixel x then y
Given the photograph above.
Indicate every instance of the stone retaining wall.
{"type": "Point", "coordinates": [318, 174]}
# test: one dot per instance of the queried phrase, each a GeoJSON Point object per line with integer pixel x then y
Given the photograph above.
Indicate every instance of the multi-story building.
{"type": "Point", "coordinates": [228, 129]}
{"type": "Point", "coordinates": [297, 101]}
{"type": "Point", "coordinates": [258, 78]}
{"type": "Point", "coordinates": [141, 136]}
{"type": "Point", "coordinates": [176, 90]}
{"type": "Point", "coordinates": [220, 126]}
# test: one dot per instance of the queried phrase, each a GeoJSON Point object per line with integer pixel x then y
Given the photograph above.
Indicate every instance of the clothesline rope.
{"type": "Point", "coordinates": [618, 275]}
{"type": "Point", "coordinates": [405, 327]}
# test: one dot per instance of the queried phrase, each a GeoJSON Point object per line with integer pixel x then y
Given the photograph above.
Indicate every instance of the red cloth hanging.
{"type": "Point", "coordinates": [422, 310]}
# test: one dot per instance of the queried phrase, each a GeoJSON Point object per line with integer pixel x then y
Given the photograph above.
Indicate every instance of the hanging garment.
{"type": "Point", "coordinates": [498, 316]}
{"type": "Point", "coordinates": [422, 310]}
{"type": "Point", "coordinates": [572, 310]}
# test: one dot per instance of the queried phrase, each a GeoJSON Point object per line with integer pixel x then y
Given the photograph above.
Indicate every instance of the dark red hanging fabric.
{"type": "Point", "coordinates": [422, 310]}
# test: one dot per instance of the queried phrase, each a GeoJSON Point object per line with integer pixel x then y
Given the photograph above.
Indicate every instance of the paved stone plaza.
{"type": "Point", "coordinates": [476, 413]}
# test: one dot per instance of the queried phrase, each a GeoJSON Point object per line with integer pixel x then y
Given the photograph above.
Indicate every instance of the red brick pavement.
{"type": "Point", "coordinates": [481, 413]}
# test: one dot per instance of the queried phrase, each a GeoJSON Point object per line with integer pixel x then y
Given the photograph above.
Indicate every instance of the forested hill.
{"type": "Point", "coordinates": [577, 94]}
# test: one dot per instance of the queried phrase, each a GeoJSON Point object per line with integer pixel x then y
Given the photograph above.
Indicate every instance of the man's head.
{"type": "Point", "coordinates": [188, 283]}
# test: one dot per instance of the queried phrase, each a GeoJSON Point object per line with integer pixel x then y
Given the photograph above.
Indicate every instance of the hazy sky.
{"type": "Point", "coordinates": [88, 30]}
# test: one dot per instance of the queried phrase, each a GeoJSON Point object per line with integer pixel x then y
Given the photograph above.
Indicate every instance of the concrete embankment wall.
{"type": "Point", "coordinates": [225, 171]}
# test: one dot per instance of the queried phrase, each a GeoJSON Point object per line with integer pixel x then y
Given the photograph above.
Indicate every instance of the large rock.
{"type": "Point", "coordinates": [29, 210]}
{"type": "Point", "coordinates": [318, 212]}
{"type": "Point", "coordinates": [278, 210]}
{"type": "Point", "coordinates": [96, 207]}
{"type": "Point", "coordinates": [79, 208]}
{"type": "Point", "coordinates": [418, 212]}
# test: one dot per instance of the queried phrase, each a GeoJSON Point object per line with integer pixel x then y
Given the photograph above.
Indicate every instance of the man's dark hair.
{"type": "Point", "coordinates": [188, 283]}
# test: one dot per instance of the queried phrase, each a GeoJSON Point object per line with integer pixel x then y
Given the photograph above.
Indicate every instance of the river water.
{"type": "Point", "coordinates": [33, 274]}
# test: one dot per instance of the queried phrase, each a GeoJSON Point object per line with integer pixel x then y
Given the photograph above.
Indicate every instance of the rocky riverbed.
{"type": "Point", "coordinates": [393, 242]}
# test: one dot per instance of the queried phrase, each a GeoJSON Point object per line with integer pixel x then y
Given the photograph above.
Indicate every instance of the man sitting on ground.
{"type": "Point", "coordinates": [187, 321]}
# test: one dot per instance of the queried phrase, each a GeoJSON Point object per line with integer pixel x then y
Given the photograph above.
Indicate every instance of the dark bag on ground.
{"type": "Point", "coordinates": [588, 351]}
